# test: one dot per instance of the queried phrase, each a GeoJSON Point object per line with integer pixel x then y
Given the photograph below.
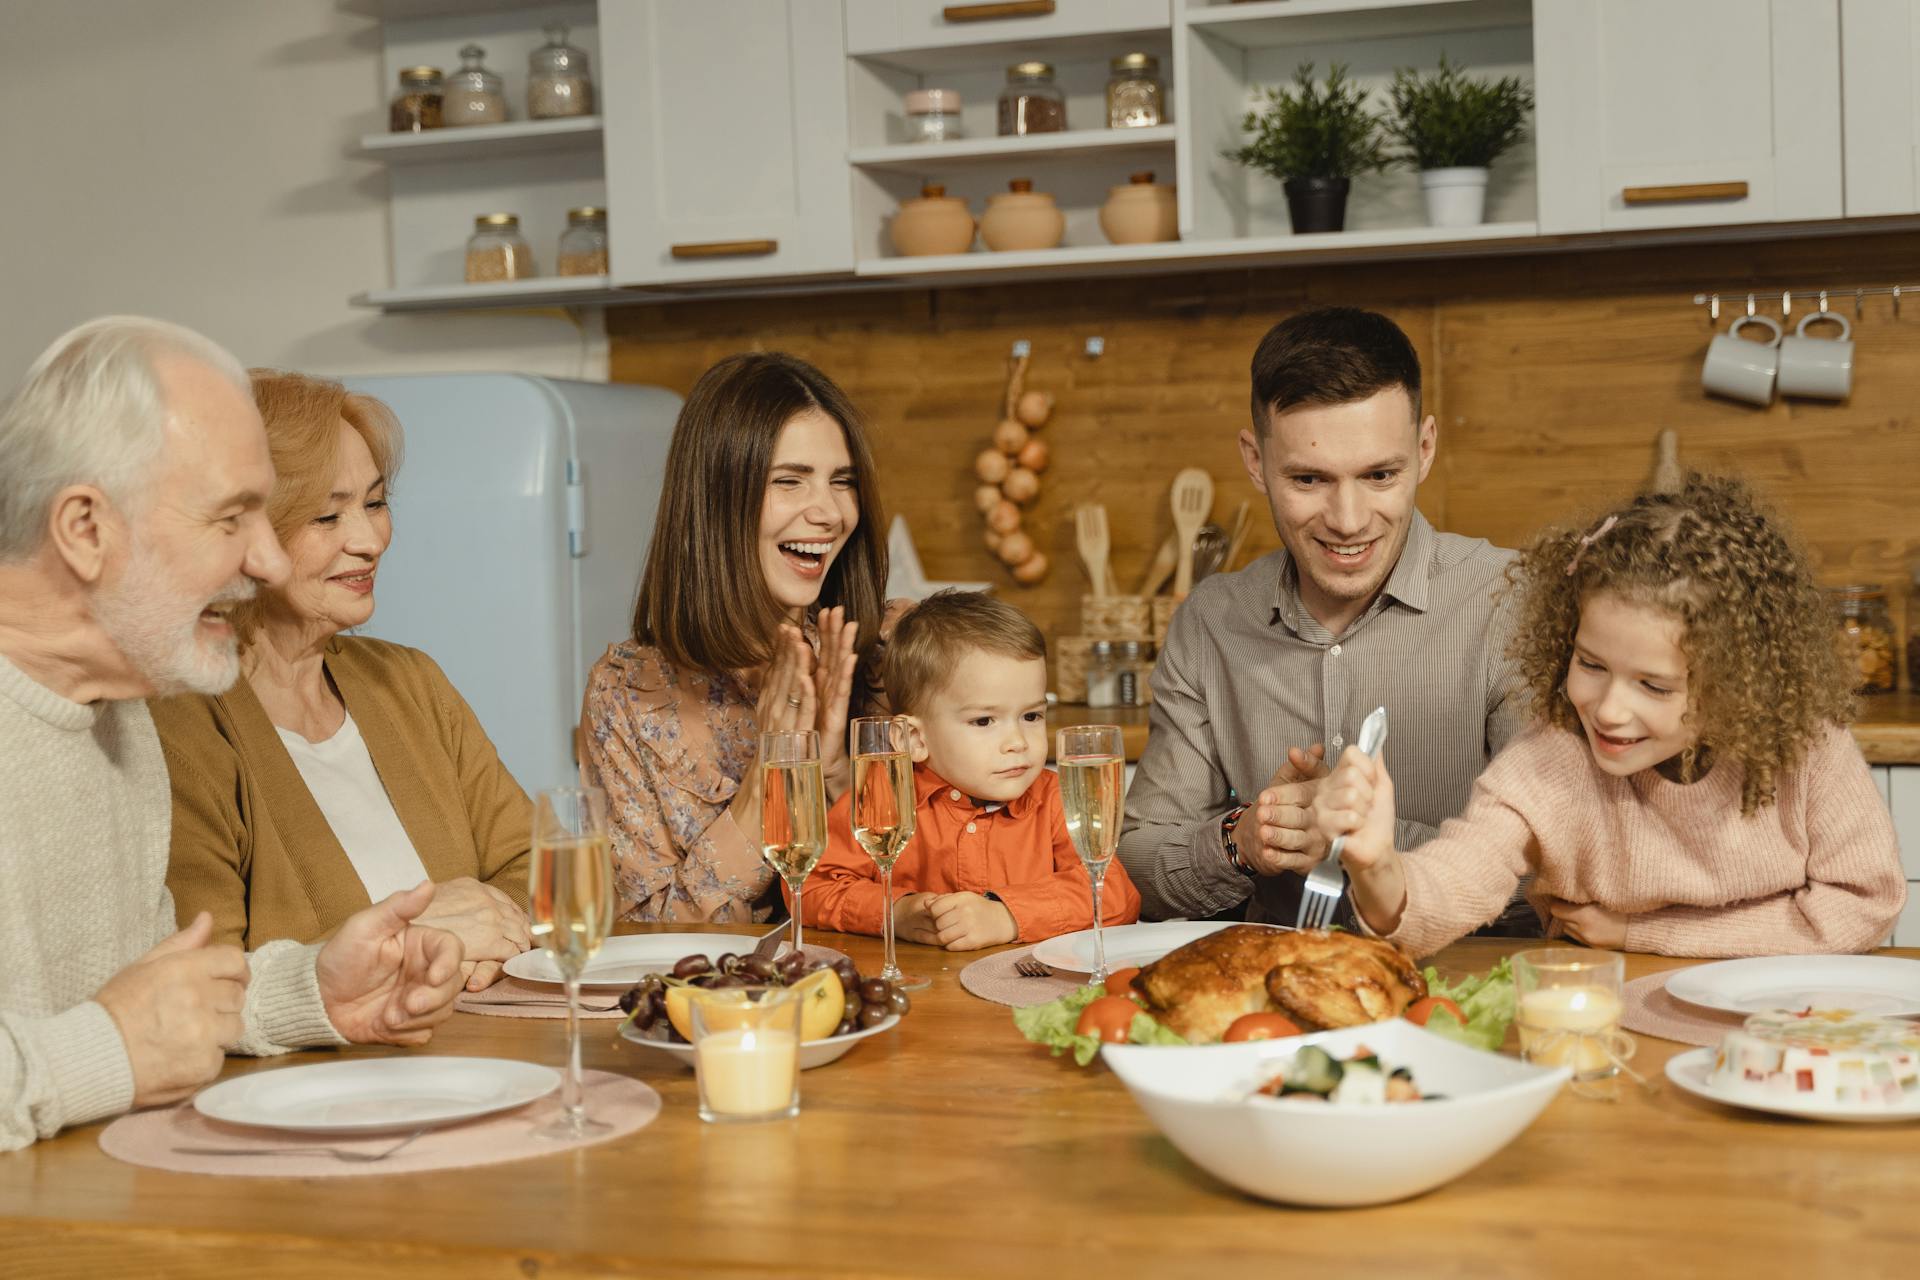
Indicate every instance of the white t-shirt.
{"type": "Point", "coordinates": [340, 774]}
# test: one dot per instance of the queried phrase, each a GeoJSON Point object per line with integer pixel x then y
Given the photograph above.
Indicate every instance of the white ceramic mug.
{"type": "Point", "coordinates": [1817, 367]}
{"type": "Point", "coordinates": [1743, 370]}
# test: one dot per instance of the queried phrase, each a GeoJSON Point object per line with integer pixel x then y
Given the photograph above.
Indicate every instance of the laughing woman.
{"type": "Point", "coordinates": [759, 609]}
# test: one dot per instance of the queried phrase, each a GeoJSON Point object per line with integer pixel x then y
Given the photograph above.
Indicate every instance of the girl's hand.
{"type": "Point", "coordinates": [833, 688]}
{"type": "Point", "coordinates": [1357, 802]}
{"type": "Point", "coordinates": [1589, 922]}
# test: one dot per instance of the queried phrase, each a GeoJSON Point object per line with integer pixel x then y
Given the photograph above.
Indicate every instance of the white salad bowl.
{"type": "Point", "coordinates": [1321, 1153]}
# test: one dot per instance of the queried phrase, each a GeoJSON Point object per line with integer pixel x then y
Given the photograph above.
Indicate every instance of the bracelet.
{"type": "Point", "coordinates": [1226, 840]}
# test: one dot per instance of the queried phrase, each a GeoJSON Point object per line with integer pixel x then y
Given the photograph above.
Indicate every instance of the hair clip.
{"type": "Point", "coordinates": [1587, 540]}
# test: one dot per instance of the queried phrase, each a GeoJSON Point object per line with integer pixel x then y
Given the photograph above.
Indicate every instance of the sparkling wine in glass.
{"type": "Point", "coordinates": [1092, 762]}
{"type": "Point", "coordinates": [793, 809]}
{"type": "Point", "coordinates": [570, 890]}
{"type": "Point", "coordinates": [884, 812]}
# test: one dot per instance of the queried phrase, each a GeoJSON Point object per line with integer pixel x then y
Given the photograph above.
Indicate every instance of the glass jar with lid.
{"type": "Point", "coordinates": [473, 94]}
{"type": "Point", "coordinates": [933, 115]}
{"type": "Point", "coordinates": [583, 245]}
{"type": "Point", "coordinates": [558, 82]}
{"type": "Point", "coordinates": [417, 106]}
{"type": "Point", "coordinates": [497, 251]}
{"type": "Point", "coordinates": [1133, 668]}
{"type": "Point", "coordinates": [1103, 675]}
{"type": "Point", "coordinates": [1865, 621]}
{"type": "Point", "coordinates": [1031, 102]}
{"type": "Point", "coordinates": [1913, 632]}
{"type": "Point", "coordinates": [1136, 99]}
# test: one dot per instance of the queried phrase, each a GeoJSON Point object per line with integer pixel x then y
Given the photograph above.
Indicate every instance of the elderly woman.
{"type": "Point", "coordinates": [338, 769]}
{"type": "Point", "coordinates": [763, 588]}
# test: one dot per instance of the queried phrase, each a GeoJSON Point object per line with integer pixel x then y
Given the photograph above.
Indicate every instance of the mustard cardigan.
{"type": "Point", "coordinates": [250, 844]}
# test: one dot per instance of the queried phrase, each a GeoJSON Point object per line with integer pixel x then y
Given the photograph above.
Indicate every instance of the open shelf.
{"type": "Point", "coordinates": [925, 157]}
{"type": "Point", "coordinates": [405, 10]}
{"type": "Point", "coordinates": [485, 141]}
{"type": "Point", "coordinates": [542, 291]}
{"type": "Point", "coordinates": [1277, 23]}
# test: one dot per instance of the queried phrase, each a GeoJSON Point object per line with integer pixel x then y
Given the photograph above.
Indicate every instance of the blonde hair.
{"type": "Point", "coordinates": [303, 416]}
{"type": "Point", "coordinates": [930, 641]}
{"type": "Point", "coordinates": [1764, 672]}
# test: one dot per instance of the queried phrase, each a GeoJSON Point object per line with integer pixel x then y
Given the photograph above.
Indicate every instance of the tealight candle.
{"type": "Point", "coordinates": [1569, 1006]}
{"type": "Point", "coordinates": [746, 1054]}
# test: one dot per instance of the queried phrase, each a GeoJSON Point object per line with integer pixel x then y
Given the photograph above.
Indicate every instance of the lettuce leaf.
{"type": "Point", "coordinates": [1052, 1023]}
{"type": "Point", "coordinates": [1488, 1001]}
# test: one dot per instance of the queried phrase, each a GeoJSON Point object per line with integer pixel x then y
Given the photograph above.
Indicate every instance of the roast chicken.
{"type": "Point", "coordinates": [1317, 978]}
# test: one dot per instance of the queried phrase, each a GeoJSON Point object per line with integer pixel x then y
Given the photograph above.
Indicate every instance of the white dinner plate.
{"type": "Point", "coordinates": [1692, 1071]}
{"type": "Point", "coordinates": [1127, 944]}
{"type": "Point", "coordinates": [625, 960]}
{"type": "Point", "coordinates": [1885, 986]}
{"type": "Point", "coordinates": [375, 1094]}
{"type": "Point", "coordinates": [813, 1053]}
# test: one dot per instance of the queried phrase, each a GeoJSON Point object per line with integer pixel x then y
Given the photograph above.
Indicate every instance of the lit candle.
{"type": "Point", "coordinates": [746, 1055]}
{"type": "Point", "coordinates": [1570, 1026]}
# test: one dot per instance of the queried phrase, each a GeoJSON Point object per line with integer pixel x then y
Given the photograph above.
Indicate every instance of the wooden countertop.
{"type": "Point", "coordinates": [951, 1147]}
{"type": "Point", "coordinates": [1888, 729]}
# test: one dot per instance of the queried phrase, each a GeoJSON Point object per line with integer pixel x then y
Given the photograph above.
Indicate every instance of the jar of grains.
{"type": "Point", "coordinates": [473, 95]}
{"type": "Point", "coordinates": [933, 115]}
{"type": "Point", "coordinates": [1865, 622]}
{"type": "Point", "coordinates": [558, 82]}
{"type": "Point", "coordinates": [583, 245]}
{"type": "Point", "coordinates": [497, 251]}
{"type": "Point", "coordinates": [1031, 102]}
{"type": "Point", "coordinates": [1135, 97]}
{"type": "Point", "coordinates": [417, 106]}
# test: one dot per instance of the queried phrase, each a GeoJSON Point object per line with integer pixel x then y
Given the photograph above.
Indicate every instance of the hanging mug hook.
{"type": "Point", "coordinates": [1786, 304]}
{"type": "Point", "coordinates": [1749, 304]}
{"type": "Point", "coordinates": [1823, 302]}
{"type": "Point", "coordinates": [1713, 311]}
{"type": "Point", "coordinates": [1896, 302]}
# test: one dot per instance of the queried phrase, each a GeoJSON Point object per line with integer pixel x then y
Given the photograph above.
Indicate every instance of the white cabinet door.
{"type": "Point", "coordinates": [1711, 112]}
{"type": "Point", "coordinates": [1880, 61]}
{"type": "Point", "coordinates": [1903, 797]}
{"type": "Point", "coordinates": [882, 26]}
{"type": "Point", "coordinates": [726, 138]}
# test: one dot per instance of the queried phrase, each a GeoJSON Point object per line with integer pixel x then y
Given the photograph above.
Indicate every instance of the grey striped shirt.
{"type": "Point", "coordinates": [1247, 672]}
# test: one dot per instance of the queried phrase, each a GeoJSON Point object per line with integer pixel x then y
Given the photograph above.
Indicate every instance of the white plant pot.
{"type": "Point", "coordinates": [1455, 197]}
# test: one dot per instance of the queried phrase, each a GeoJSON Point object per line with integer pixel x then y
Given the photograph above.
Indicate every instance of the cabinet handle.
{"type": "Point", "coordinates": [726, 249]}
{"type": "Point", "coordinates": [1682, 194]}
{"type": "Point", "coordinates": [989, 12]}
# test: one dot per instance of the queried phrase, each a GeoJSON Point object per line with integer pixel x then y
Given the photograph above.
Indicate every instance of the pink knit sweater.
{"type": "Point", "coordinates": [1817, 870]}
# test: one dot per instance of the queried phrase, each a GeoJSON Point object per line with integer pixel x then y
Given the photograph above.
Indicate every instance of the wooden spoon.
{"type": "Point", "coordinates": [1090, 532]}
{"type": "Point", "coordinates": [1192, 503]}
{"type": "Point", "coordinates": [1162, 567]}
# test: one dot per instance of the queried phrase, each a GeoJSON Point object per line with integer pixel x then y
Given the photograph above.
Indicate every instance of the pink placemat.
{"type": "Point", "coordinates": [1651, 1011]}
{"type": "Point", "coordinates": [993, 978]}
{"type": "Point", "coordinates": [149, 1138]}
{"type": "Point", "coordinates": [515, 998]}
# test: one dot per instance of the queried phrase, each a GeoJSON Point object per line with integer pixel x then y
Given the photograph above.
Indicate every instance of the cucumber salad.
{"type": "Point", "coordinates": [1362, 1080]}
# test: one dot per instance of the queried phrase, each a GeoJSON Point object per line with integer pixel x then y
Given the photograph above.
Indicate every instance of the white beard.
{"type": "Point", "coordinates": [157, 630]}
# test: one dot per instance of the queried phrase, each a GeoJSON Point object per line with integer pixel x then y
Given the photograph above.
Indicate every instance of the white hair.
{"type": "Point", "coordinates": [90, 411]}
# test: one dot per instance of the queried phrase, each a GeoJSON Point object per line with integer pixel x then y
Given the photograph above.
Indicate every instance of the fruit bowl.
{"type": "Point", "coordinates": [814, 1053]}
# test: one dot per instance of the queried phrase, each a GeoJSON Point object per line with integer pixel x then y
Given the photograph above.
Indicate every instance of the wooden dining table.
{"type": "Point", "coordinates": [950, 1146]}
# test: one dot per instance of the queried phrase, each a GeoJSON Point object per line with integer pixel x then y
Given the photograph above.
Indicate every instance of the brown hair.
{"type": "Point", "coordinates": [1763, 670]}
{"type": "Point", "coordinates": [703, 599]}
{"type": "Point", "coordinates": [929, 642]}
{"type": "Point", "coordinates": [303, 416]}
{"type": "Point", "coordinates": [1331, 355]}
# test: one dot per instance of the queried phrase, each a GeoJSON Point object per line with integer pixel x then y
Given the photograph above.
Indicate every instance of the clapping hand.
{"type": "Point", "coordinates": [1278, 833]}
{"type": "Point", "coordinates": [833, 689]}
{"type": "Point", "coordinates": [388, 980]}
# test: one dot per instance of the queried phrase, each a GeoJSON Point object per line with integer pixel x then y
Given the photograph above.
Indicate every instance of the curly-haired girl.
{"type": "Point", "coordinates": [1691, 788]}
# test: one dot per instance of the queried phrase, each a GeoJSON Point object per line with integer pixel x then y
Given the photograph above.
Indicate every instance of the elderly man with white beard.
{"type": "Point", "coordinates": [133, 476]}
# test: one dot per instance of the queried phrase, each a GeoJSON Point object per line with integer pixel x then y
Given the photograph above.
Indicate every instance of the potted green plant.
{"type": "Point", "coordinates": [1314, 137]}
{"type": "Point", "coordinates": [1453, 127]}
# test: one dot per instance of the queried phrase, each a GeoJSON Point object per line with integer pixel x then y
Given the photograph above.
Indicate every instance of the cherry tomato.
{"type": "Point", "coordinates": [1109, 1017]}
{"type": "Point", "coordinates": [1120, 982]}
{"type": "Point", "coordinates": [1420, 1010]}
{"type": "Point", "coordinates": [1259, 1026]}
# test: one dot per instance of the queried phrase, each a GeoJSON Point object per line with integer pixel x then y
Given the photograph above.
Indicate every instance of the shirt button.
{"type": "Point", "coordinates": [1338, 742]}
{"type": "Point", "coordinates": [1335, 651]}
{"type": "Point", "coordinates": [970, 828]}
{"type": "Point", "coordinates": [954, 795]}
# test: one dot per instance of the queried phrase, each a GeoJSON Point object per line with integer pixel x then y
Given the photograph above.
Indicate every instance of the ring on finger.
{"type": "Point", "coordinates": [793, 700]}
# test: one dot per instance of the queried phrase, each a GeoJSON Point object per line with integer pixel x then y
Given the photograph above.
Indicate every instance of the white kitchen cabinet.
{"type": "Point", "coordinates": [1880, 61]}
{"type": "Point", "coordinates": [1900, 783]}
{"type": "Point", "coordinates": [882, 26]}
{"type": "Point", "coordinates": [1653, 114]}
{"type": "Point", "coordinates": [726, 129]}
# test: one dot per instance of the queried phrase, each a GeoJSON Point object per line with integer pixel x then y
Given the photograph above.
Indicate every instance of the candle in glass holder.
{"type": "Point", "coordinates": [746, 1054]}
{"type": "Point", "coordinates": [1569, 1005]}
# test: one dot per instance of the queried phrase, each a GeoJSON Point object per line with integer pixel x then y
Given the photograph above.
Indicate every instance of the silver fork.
{"type": "Point", "coordinates": [1324, 885]}
{"type": "Point", "coordinates": [538, 1002]}
{"type": "Point", "coordinates": [338, 1153]}
{"type": "Point", "coordinates": [1027, 967]}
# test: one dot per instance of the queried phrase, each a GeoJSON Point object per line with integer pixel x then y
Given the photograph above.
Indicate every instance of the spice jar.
{"type": "Point", "coordinates": [933, 115]}
{"type": "Point", "coordinates": [1132, 687]}
{"type": "Point", "coordinates": [473, 94]}
{"type": "Point", "coordinates": [1021, 218]}
{"type": "Point", "coordinates": [1135, 97]}
{"type": "Point", "coordinates": [935, 223]}
{"type": "Point", "coordinates": [583, 245]}
{"type": "Point", "coordinates": [497, 251]}
{"type": "Point", "coordinates": [1031, 102]}
{"type": "Point", "coordinates": [417, 107]}
{"type": "Point", "coordinates": [1103, 675]}
{"type": "Point", "coordinates": [1141, 212]}
{"type": "Point", "coordinates": [558, 82]}
{"type": "Point", "coordinates": [1864, 620]}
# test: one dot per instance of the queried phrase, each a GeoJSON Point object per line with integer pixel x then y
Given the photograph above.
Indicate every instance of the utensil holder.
{"type": "Point", "coordinates": [1116, 617]}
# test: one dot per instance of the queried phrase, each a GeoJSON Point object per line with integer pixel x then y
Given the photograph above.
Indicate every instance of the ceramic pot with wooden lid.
{"type": "Point", "coordinates": [935, 223]}
{"type": "Point", "coordinates": [1022, 218]}
{"type": "Point", "coordinates": [1142, 212]}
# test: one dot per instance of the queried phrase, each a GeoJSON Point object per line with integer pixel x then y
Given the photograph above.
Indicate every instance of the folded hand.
{"type": "Point", "coordinates": [386, 979]}
{"type": "Point", "coordinates": [491, 927]}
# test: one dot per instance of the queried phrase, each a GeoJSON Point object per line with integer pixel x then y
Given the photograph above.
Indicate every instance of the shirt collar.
{"type": "Point", "coordinates": [1408, 583]}
{"type": "Point", "coordinates": [930, 787]}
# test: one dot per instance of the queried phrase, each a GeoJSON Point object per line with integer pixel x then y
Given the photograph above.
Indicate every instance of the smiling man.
{"type": "Point", "coordinates": [1267, 670]}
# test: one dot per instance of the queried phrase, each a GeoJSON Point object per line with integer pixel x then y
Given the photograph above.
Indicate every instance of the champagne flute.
{"type": "Point", "coordinates": [793, 809]}
{"type": "Point", "coordinates": [884, 812]}
{"type": "Point", "coordinates": [1092, 762]}
{"type": "Point", "coordinates": [570, 890]}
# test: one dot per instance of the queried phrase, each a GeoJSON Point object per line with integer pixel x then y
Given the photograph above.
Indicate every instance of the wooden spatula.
{"type": "Point", "coordinates": [1192, 504]}
{"type": "Point", "coordinates": [1162, 567]}
{"type": "Point", "coordinates": [1090, 533]}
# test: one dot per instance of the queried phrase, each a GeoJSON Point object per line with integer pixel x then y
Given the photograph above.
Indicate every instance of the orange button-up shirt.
{"type": "Point", "coordinates": [1020, 853]}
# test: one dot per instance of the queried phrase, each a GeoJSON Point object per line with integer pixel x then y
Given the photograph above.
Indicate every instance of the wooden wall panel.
{"type": "Point", "coordinates": [1551, 376]}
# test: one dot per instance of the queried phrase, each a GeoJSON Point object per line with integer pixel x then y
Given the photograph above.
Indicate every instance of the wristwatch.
{"type": "Point", "coordinates": [1240, 864]}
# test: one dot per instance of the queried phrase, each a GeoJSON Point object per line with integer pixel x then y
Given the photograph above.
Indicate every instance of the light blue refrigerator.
{"type": "Point", "coordinates": [522, 510]}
